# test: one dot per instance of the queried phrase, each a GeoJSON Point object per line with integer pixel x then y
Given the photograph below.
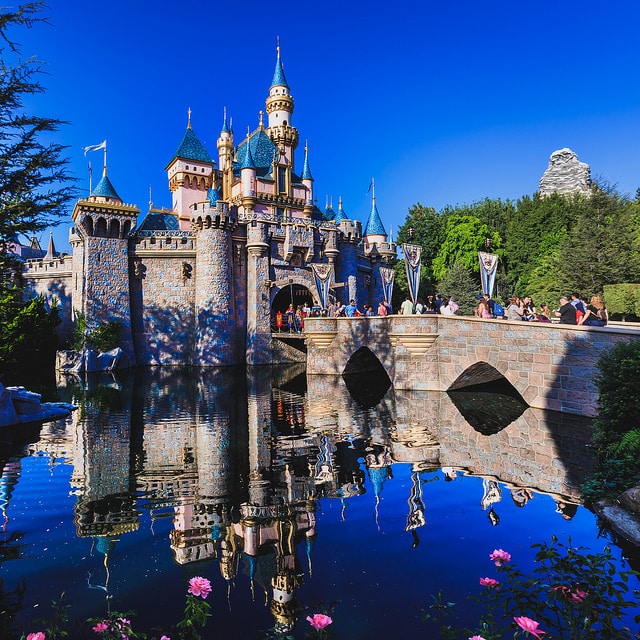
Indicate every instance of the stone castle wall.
{"type": "Point", "coordinates": [162, 277]}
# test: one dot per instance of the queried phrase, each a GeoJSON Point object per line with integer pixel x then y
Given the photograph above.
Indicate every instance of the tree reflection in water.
{"type": "Point", "coordinates": [286, 492]}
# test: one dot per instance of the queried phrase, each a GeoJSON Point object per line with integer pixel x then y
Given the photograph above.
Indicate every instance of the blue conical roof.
{"type": "Point", "coordinates": [105, 189]}
{"type": "Point", "coordinates": [213, 195]}
{"type": "Point", "coordinates": [374, 226]}
{"type": "Point", "coordinates": [278, 74]}
{"type": "Point", "coordinates": [247, 161]}
{"type": "Point", "coordinates": [306, 171]}
{"type": "Point", "coordinates": [191, 148]}
{"type": "Point", "coordinates": [340, 213]}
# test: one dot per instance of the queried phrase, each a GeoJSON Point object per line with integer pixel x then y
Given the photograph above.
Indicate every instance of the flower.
{"type": "Point", "coordinates": [199, 587]}
{"type": "Point", "coordinates": [319, 621]}
{"type": "Point", "coordinates": [165, 638]}
{"type": "Point", "coordinates": [578, 596]}
{"type": "Point", "coordinates": [500, 556]}
{"type": "Point", "coordinates": [100, 627]}
{"type": "Point", "coordinates": [36, 636]}
{"type": "Point", "coordinates": [489, 582]}
{"type": "Point", "coordinates": [476, 638]}
{"type": "Point", "coordinates": [530, 626]}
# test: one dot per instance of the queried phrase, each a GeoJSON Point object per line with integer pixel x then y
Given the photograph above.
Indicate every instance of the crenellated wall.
{"type": "Point", "coordinates": [551, 366]}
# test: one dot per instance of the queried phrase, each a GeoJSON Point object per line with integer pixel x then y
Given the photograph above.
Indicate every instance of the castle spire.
{"type": "Point", "coordinates": [374, 227]}
{"type": "Point", "coordinates": [306, 171]}
{"type": "Point", "coordinates": [278, 74]}
{"type": "Point", "coordinates": [51, 249]}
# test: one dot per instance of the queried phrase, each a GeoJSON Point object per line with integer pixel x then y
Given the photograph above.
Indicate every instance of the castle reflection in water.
{"type": "Point", "coordinates": [238, 460]}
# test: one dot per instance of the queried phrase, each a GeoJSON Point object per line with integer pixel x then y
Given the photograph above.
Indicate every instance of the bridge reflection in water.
{"type": "Point", "coordinates": [286, 492]}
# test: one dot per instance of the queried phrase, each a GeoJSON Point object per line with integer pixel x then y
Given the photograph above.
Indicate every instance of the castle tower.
{"type": "Point", "coordinates": [279, 106]}
{"type": "Point", "coordinates": [258, 298]}
{"type": "Point", "coordinates": [307, 181]}
{"type": "Point", "coordinates": [190, 174]}
{"type": "Point", "coordinates": [225, 156]}
{"type": "Point", "coordinates": [100, 288]}
{"type": "Point", "coordinates": [215, 339]}
{"type": "Point", "coordinates": [374, 231]}
{"type": "Point", "coordinates": [248, 179]}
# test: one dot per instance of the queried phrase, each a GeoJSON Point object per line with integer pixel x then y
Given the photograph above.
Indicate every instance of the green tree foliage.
{"type": "Point", "coordinates": [464, 237]}
{"type": "Point", "coordinates": [458, 283]}
{"type": "Point", "coordinates": [537, 227]}
{"type": "Point", "coordinates": [27, 336]}
{"type": "Point", "coordinates": [617, 427]}
{"type": "Point", "coordinates": [623, 299]}
{"type": "Point", "coordinates": [601, 247]}
{"type": "Point", "coordinates": [494, 213]}
{"type": "Point", "coordinates": [33, 174]}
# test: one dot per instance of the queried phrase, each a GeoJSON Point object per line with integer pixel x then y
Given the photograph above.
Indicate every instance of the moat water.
{"type": "Point", "coordinates": [289, 498]}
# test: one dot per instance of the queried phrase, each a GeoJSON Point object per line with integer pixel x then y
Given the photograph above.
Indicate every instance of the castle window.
{"type": "Point", "coordinates": [282, 180]}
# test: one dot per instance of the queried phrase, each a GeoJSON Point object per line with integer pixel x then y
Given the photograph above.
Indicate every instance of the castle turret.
{"type": "Point", "coordinates": [190, 174]}
{"type": "Point", "coordinates": [225, 156]}
{"type": "Point", "coordinates": [100, 241]}
{"type": "Point", "coordinates": [248, 178]}
{"type": "Point", "coordinates": [215, 339]}
{"type": "Point", "coordinates": [307, 181]}
{"type": "Point", "coordinates": [279, 107]}
{"type": "Point", "coordinates": [374, 231]}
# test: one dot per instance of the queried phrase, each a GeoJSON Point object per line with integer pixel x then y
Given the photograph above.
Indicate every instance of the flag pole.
{"type": "Point", "coordinates": [90, 177]}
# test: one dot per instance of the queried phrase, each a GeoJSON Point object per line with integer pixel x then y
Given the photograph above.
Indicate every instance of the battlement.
{"type": "Point", "coordinates": [48, 267]}
{"type": "Point", "coordinates": [163, 241]}
{"type": "Point", "coordinates": [206, 216]}
{"type": "Point", "coordinates": [351, 230]}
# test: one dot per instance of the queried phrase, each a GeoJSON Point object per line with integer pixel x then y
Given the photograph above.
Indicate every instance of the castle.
{"type": "Point", "coordinates": [201, 284]}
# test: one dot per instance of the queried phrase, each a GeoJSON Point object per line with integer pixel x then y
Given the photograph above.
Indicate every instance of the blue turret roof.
{"type": "Point", "coordinates": [105, 189]}
{"type": "Point", "coordinates": [225, 126]}
{"type": "Point", "coordinates": [213, 195]}
{"type": "Point", "coordinates": [247, 160]}
{"type": "Point", "coordinates": [191, 148]}
{"type": "Point", "coordinates": [306, 171]}
{"type": "Point", "coordinates": [278, 75]}
{"type": "Point", "coordinates": [329, 213]}
{"type": "Point", "coordinates": [262, 153]}
{"type": "Point", "coordinates": [340, 213]}
{"type": "Point", "coordinates": [374, 226]}
{"type": "Point", "coordinates": [159, 221]}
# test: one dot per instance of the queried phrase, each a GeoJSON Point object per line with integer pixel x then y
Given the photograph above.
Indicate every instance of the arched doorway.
{"type": "Point", "coordinates": [296, 294]}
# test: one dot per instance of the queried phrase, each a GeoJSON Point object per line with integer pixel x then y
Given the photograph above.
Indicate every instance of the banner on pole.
{"type": "Point", "coordinates": [488, 267]}
{"type": "Point", "coordinates": [412, 256]}
{"type": "Point", "coordinates": [322, 275]}
{"type": "Point", "coordinates": [387, 276]}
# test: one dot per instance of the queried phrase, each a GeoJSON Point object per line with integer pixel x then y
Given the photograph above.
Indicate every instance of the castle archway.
{"type": "Point", "coordinates": [295, 294]}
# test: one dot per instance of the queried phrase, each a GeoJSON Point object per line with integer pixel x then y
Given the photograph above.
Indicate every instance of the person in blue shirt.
{"type": "Point", "coordinates": [351, 309]}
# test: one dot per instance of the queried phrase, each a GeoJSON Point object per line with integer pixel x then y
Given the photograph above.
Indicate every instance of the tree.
{"type": "Point", "coordinates": [464, 237]}
{"type": "Point", "coordinates": [34, 182]}
{"type": "Point", "coordinates": [458, 283]}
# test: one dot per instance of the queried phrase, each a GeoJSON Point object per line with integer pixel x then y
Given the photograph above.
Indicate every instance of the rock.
{"type": "Point", "coordinates": [19, 406]}
{"type": "Point", "coordinates": [630, 500]}
{"type": "Point", "coordinates": [623, 522]}
{"type": "Point", "coordinates": [565, 174]}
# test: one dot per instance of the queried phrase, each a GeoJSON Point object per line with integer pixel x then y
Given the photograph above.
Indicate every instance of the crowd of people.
{"type": "Point", "coordinates": [571, 310]}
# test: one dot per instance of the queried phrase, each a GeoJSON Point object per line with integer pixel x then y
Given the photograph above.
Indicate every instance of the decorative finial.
{"type": "Point", "coordinates": [261, 123]}
{"type": "Point", "coordinates": [150, 197]}
{"type": "Point", "coordinates": [248, 132]}
{"type": "Point", "coordinates": [306, 145]}
{"type": "Point", "coordinates": [278, 45]}
{"type": "Point", "coordinates": [189, 118]}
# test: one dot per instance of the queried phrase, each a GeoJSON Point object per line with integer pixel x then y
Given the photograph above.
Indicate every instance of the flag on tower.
{"type": "Point", "coordinates": [95, 147]}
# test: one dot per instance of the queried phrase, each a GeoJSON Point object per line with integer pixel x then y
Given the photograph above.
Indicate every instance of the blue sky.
{"type": "Point", "coordinates": [440, 102]}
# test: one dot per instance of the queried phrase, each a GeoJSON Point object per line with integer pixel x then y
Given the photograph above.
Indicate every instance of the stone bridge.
{"type": "Point", "coordinates": [551, 366]}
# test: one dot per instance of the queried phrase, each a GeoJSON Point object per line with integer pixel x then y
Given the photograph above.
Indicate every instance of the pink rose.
{"type": "Point", "coordinates": [530, 626]}
{"type": "Point", "coordinates": [319, 621]}
{"type": "Point", "coordinates": [476, 638]}
{"type": "Point", "coordinates": [500, 556]}
{"type": "Point", "coordinates": [199, 587]}
{"type": "Point", "coordinates": [100, 627]}
{"type": "Point", "coordinates": [165, 638]}
{"type": "Point", "coordinates": [489, 582]}
{"type": "Point", "coordinates": [36, 636]}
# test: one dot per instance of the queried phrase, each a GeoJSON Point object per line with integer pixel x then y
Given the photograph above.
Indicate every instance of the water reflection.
{"type": "Point", "coordinates": [238, 470]}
